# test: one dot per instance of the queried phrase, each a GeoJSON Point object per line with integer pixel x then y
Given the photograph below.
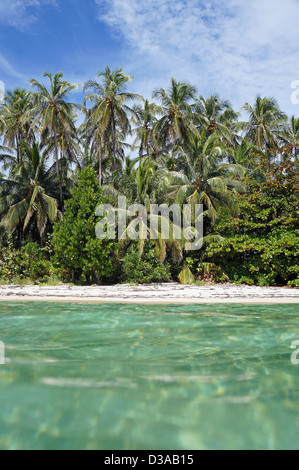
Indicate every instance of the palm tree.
{"type": "Point", "coordinates": [97, 149]}
{"type": "Point", "coordinates": [145, 118]}
{"type": "Point", "coordinates": [265, 118]}
{"type": "Point", "coordinates": [27, 194]}
{"type": "Point", "coordinates": [249, 157]}
{"type": "Point", "coordinates": [203, 178]}
{"type": "Point", "coordinates": [140, 180]}
{"type": "Point", "coordinates": [176, 123]}
{"type": "Point", "coordinates": [109, 109]}
{"type": "Point", "coordinates": [14, 121]}
{"type": "Point", "coordinates": [69, 146]}
{"type": "Point", "coordinates": [92, 137]}
{"type": "Point", "coordinates": [53, 112]}
{"type": "Point", "coordinates": [241, 154]}
{"type": "Point", "coordinates": [216, 115]}
{"type": "Point", "coordinates": [147, 184]}
{"type": "Point", "coordinates": [289, 137]}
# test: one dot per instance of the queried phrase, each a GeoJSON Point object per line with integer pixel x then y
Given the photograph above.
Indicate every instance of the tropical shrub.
{"type": "Point", "coordinates": [250, 260]}
{"type": "Point", "coordinates": [78, 253]}
{"type": "Point", "coordinates": [145, 269]}
{"type": "Point", "coordinates": [30, 262]}
{"type": "Point", "coordinates": [261, 246]}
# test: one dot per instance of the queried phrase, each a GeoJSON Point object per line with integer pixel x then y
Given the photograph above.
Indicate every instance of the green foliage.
{"type": "Point", "coordinates": [78, 253]}
{"type": "Point", "coordinates": [294, 283]}
{"type": "Point", "coordinates": [26, 197]}
{"type": "Point", "coordinates": [190, 151]}
{"type": "Point", "coordinates": [145, 269]}
{"type": "Point", "coordinates": [262, 245]}
{"type": "Point", "coordinates": [249, 260]}
{"type": "Point", "coordinates": [31, 262]}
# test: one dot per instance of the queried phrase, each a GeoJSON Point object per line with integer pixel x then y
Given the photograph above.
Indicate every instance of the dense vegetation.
{"type": "Point", "coordinates": [184, 148]}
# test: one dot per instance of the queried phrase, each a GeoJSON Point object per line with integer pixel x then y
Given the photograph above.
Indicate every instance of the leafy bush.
{"type": "Point", "coordinates": [261, 246]}
{"type": "Point", "coordinates": [146, 269]}
{"type": "Point", "coordinates": [79, 255]}
{"type": "Point", "coordinates": [248, 260]}
{"type": "Point", "coordinates": [294, 283]}
{"type": "Point", "coordinates": [30, 262]}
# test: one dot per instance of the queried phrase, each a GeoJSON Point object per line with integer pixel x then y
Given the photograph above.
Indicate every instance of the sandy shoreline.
{"type": "Point", "coordinates": [151, 294]}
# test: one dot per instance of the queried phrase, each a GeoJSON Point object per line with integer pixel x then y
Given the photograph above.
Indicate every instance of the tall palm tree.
{"type": "Point", "coordinates": [69, 147]}
{"type": "Point", "coordinates": [110, 109]}
{"type": "Point", "coordinates": [265, 118]}
{"type": "Point", "coordinates": [145, 118]}
{"type": "Point", "coordinates": [14, 122]}
{"type": "Point", "coordinates": [98, 148]}
{"type": "Point", "coordinates": [204, 178]}
{"type": "Point", "coordinates": [289, 137]}
{"type": "Point", "coordinates": [176, 122]}
{"type": "Point", "coordinates": [216, 115]}
{"type": "Point", "coordinates": [92, 138]}
{"type": "Point", "coordinates": [27, 194]}
{"type": "Point", "coordinates": [52, 111]}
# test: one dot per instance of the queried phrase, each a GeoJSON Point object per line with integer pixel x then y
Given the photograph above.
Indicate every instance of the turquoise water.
{"type": "Point", "coordinates": [148, 377]}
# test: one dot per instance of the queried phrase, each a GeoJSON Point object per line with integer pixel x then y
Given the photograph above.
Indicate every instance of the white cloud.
{"type": "Point", "coordinates": [8, 69]}
{"type": "Point", "coordinates": [235, 48]}
{"type": "Point", "coordinates": [20, 13]}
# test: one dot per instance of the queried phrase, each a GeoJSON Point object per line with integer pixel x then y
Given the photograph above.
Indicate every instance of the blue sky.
{"type": "Point", "coordinates": [235, 48]}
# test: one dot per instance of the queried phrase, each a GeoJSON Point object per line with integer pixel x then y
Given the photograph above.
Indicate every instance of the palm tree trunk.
{"type": "Point", "coordinates": [113, 141]}
{"type": "Point", "coordinates": [18, 146]}
{"type": "Point", "coordinates": [100, 165]}
{"type": "Point", "coordinates": [22, 139]}
{"type": "Point", "coordinates": [148, 147]}
{"type": "Point", "coordinates": [58, 169]}
{"type": "Point", "coordinates": [141, 150]}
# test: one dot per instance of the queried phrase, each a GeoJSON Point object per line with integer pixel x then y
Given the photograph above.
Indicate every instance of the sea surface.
{"type": "Point", "coordinates": [144, 377]}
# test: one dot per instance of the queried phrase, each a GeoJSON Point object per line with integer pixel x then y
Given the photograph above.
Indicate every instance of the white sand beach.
{"type": "Point", "coordinates": [155, 294]}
